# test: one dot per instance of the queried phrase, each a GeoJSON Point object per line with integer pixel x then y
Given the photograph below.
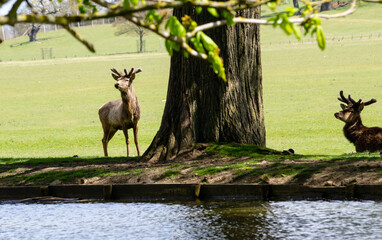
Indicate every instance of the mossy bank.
{"type": "Point", "coordinates": [206, 163]}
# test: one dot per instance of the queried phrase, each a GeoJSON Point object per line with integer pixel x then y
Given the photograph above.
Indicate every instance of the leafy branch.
{"type": "Point", "coordinates": [185, 34]}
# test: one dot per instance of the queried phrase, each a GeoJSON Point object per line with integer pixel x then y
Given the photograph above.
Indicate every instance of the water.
{"type": "Point", "coordinates": [249, 220]}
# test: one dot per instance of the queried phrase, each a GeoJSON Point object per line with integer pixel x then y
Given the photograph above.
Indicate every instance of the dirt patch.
{"type": "Point", "coordinates": [203, 165]}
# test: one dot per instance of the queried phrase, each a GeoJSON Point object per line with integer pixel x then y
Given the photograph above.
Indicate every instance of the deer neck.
{"type": "Point", "coordinates": [353, 130]}
{"type": "Point", "coordinates": [128, 99]}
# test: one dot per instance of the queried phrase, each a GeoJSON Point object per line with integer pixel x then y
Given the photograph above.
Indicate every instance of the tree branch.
{"type": "Point", "coordinates": [79, 38]}
{"type": "Point", "coordinates": [299, 20]}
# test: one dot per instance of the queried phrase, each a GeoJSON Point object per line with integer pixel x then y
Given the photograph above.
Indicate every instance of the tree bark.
{"type": "Point", "coordinates": [140, 40]}
{"type": "Point", "coordinates": [200, 107]}
{"type": "Point", "coordinates": [33, 33]}
{"type": "Point", "coordinates": [295, 4]}
{"type": "Point", "coordinates": [326, 6]}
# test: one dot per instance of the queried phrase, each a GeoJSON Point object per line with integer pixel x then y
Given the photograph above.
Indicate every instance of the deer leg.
{"type": "Point", "coordinates": [107, 135]}
{"type": "Point", "coordinates": [124, 129]}
{"type": "Point", "coordinates": [105, 141]}
{"type": "Point", "coordinates": [135, 130]}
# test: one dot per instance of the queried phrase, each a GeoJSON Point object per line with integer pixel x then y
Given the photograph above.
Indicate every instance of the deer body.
{"type": "Point", "coordinates": [365, 139]}
{"type": "Point", "coordinates": [121, 114]}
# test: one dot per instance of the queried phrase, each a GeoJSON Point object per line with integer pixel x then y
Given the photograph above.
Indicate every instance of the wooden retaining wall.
{"type": "Point", "coordinates": [158, 192]}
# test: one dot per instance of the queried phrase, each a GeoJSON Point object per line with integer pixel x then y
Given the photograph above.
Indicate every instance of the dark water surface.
{"type": "Point", "coordinates": [222, 220]}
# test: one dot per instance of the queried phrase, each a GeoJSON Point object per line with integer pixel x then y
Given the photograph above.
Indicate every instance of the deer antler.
{"type": "Point", "coordinates": [370, 102]}
{"type": "Point", "coordinates": [352, 101]}
{"type": "Point", "coordinates": [343, 99]}
{"type": "Point", "coordinates": [128, 74]}
{"type": "Point", "coordinates": [116, 71]}
{"type": "Point", "coordinates": [138, 70]}
{"type": "Point", "coordinates": [347, 100]}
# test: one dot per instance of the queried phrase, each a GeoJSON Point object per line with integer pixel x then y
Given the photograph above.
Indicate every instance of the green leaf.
{"type": "Point", "coordinates": [126, 4]}
{"type": "Point", "coordinates": [321, 38]}
{"type": "Point", "coordinates": [286, 26]}
{"type": "Point", "coordinates": [213, 12]}
{"type": "Point", "coordinates": [153, 17]}
{"type": "Point", "coordinates": [197, 45]}
{"type": "Point", "coordinates": [175, 46]}
{"type": "Point", "coordinates": [134, 2]}
{"type": "Point", "coordinates": [272, 5]}
{"type": "Point", "coordinates": [297, 31]}
{"type": "Point", "coordinates": [208, 43]}
{"type": "Point", "coordinates": [275, 20]}
{"type": "Point", "coordinates": [143, 2]}
{"type": "Point", "coordinates": [291, 11]}
{"type": "Point", "coordinates": [185, 54]}
{"type": "Point", "coordinates": [175, 27]}
{"type": "Point", "coordinates": [82, 9]}
{"type": "Point", "coordinates": [217, 64]}
{"type": "Point", "coordinates": [198, 10]}
{"type": "Point", "coordinates": [314, 31]}
{"type": "Point", "coordinates": [229, 17]}
{"type": "Point", "coordinates": [168, 44]}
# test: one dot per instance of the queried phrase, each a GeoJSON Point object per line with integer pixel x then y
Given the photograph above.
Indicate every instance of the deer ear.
{"type": "Point", "coordinates": [360, 108]}
{"type": "Point", "coordinates": [114, 76]}
{"type": "Point", "coordinates": [343, 106]}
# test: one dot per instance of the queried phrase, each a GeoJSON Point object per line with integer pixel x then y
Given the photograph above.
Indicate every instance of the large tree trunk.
{"type": "Point", "coordinates": [327, 6]}
{"type": "Point", "coordinates": [295, 4]}
{"type": "Point", "coordinates": [33, 33]}
{"type": "Point", "coordinates": [200, 107]}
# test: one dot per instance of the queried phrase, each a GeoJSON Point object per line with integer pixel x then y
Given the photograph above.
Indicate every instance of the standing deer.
{"type": "Point", "coordinates": [365, 139]}
{"type": "Point", "coordinates": [121, 114]}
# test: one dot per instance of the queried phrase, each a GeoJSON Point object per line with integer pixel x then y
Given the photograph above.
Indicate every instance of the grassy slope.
{"type": "Point", "coordinates": [64, 45]}
{"type": "Point", "coordinates": [301, 84]}
{"type": "Point", "coordinates": [49, 108]}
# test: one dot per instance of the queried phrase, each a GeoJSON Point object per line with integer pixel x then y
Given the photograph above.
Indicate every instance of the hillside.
{"type": "Point", "coordinates": [364, 23]}
{"type": "Point", "coordinates": [48, 108]}
{"type": "Point", "coordinates": [63, 45]}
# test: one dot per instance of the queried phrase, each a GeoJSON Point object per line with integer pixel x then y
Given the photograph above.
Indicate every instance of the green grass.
{"type": "Point", "coordinates": [63, 161]}
{"type": "Point", "coordinates": [65, 46]}
{"type": "Point", "coordinates": [171, 173]}
{"type": "Point", "coordinates": [48, 109]}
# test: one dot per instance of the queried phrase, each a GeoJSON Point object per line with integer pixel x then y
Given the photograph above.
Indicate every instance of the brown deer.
{"type": "Point", "coordinates": [365, 139]}
{"type": "Point", "coordinates": [121, 114]}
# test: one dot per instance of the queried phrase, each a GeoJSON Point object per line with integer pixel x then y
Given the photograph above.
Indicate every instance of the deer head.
{"type": "Point", "coordinates": [351, 112]}
{"type": "Point", "coordinates": [124, 80]}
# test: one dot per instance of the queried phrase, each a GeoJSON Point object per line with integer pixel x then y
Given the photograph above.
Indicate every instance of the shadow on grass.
{"type": "Point", "coordinates": [300, 171]}
{"type": "Point", "coordinates": [38, 40]}
{"type": "Point", "coordinates": [65, 161]}
{"type": "Point", "coordinates": [70, 170]}
{"type": "Point", "coordinates": [299, 167]}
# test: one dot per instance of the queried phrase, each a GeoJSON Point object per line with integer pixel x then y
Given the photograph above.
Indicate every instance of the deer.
{"type": "Point", "coordinates": [365, 139]}
{"type": "Point", "coordinates": [121, 114]}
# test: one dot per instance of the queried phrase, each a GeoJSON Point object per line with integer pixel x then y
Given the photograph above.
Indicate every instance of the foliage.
{"type": "Point", "coordinates": [183, 34]}
{"type": "Point", "coordinates": [171, 173]}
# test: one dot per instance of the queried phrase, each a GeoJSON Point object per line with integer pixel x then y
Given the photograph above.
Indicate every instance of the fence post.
{"type": "Point", "coordinates": [3, 31]}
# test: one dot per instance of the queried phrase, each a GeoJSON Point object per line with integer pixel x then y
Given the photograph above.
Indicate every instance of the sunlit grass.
{"type": "Point", "coordinates": [49, 108]}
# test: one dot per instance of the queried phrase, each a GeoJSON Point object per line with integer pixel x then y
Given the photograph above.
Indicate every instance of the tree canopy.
{"type": "Point", "coordinates": [183, 34]}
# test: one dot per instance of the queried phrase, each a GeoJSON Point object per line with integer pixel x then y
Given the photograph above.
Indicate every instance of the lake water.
{"type": "Point", "coordinates": [223, 220]}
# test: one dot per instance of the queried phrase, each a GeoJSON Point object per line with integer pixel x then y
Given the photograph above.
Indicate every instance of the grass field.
{"type": "Point", "coordinates": [48, 108]}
